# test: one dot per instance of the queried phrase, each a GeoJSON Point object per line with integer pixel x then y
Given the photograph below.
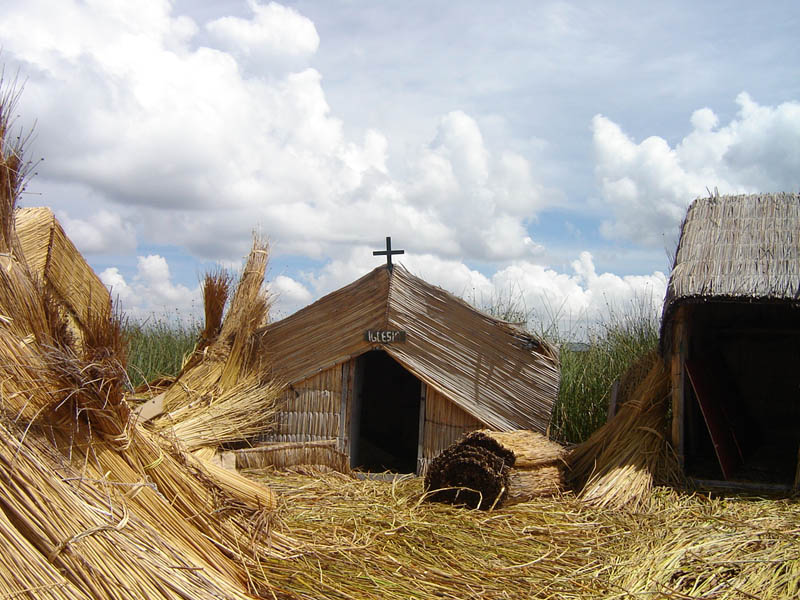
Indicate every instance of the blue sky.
{"type": "Point", "coordinates": [549, 148]}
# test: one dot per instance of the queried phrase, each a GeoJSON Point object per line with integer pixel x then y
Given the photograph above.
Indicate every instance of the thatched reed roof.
{"type": "Point", "coordinates": [495, 371]}
{"type": "Point", "coordinates": [737, 248]}
{"type": "Point", "coordinates": [56, 262]}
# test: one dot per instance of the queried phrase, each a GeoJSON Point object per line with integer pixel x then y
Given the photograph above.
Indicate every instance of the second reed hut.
{"type": "Point", "coordinates": [731, 333]}
{"type": "Point", "coordinates": [386, 372]}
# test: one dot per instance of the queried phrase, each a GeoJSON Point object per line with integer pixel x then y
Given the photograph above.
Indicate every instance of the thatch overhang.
{"type": "Point", "coordinates": [493, 370]}
{"type": "Point", "coordinates": [742, 249]}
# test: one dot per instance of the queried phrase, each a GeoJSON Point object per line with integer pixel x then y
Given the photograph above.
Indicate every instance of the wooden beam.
{"type": "Point", "coordinates": [738, 486]}
{"type": "Point", "coordinates": [677, 365]}
{"type": "Point", "coordinates": [612, 402]}
{"type": "Point", "coordinates": [423, 392]}
{"type": "Point", "coordinates": [796, 485]}
{"type": "Point", "coordinates": [709, 386]}
{"type": "Point", "coordinates": [353, 422]}
{"type": "Point", "coordinates": [343, 424]}
{"type": "Point", "coordinates": [150, 409]}
{"type": "Point", "coordinates": [766, 331]}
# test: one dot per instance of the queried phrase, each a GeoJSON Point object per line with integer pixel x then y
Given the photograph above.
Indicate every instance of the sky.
{"type": "Point", "coordinates": [542, 153]}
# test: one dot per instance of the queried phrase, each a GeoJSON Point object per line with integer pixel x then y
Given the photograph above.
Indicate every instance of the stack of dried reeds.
{"type": "Point", "coordinates": [618, 465]}
{"type": "Point", "coordinates": [53, 259]}
{"type": "Point", "coordinates": [486, 469]}
{"type": "Point", "coordinates": [222, 394]}
{"type": "Point", "coordinates": [91, 504]}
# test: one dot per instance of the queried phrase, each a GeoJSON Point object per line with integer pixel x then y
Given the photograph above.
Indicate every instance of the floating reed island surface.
{"type": "Point", "coordinates": [620, 535]}
{"type": "Point", "coordinates": [380, 539]}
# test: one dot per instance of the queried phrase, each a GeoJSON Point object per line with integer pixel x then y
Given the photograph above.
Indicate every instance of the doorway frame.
{"type": "Point", "coordinates": [350, 407]}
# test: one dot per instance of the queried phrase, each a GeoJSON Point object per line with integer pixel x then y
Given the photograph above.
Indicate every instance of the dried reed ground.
{"type": "Point", "coordinates": [375, 539]}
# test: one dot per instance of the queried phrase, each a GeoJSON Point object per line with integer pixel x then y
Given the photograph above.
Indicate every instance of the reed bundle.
{"type": "Point", "coordinates": [26, 569]}
{"type": "Point", "coordinates": [248, 292]}
{"type": "Point", "coordinates": [216, 289]}
{"type": "Point", "coordinates": [202, 516]}
{"type": "Point", "coordinates": [57, 264]}
{"type": "Point", "coordinates": [221, 395]}
{"type": "Point", "coordinates": [618, 464]}
{"type": "Point", "coordinates": [79, 401]}
{"type": "Point", "coordinates": [205, 453]}
{"type": "Point", "coordinates": [86, 534]}
{"type": "Point", "coordinates": [491, 468]}
{"type": "Point", "coordinates": [240, 412]}
{"type": "Point", "coordinates": [250, 305]}
{"type": "Point", "coordinates": [197, 383]}
{"type": "Point", "coordinates": [377, 539]}
{"type": "Point", "coordinates": [237, 487]}
{"type": "Point", "coordinates": [286, 454]}
{"type": "Point", "coordinates": [225, 357]}
{"type": "Point", "coordinates": [32, 331]}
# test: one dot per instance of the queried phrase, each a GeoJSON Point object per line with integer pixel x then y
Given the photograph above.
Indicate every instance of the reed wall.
{"type": "Point", "coordinates": [445, 423]}
{"type": "Point", "coordinates": [311, 409]}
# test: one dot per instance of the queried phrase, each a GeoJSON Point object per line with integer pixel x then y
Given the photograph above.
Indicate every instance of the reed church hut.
{"type": "Point", "coordinates": [385, 373]}
{"type": "Point", "coordinates": [731, 334]}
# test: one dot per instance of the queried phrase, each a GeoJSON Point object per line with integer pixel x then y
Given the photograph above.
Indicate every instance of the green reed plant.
{"type": "Point", "coordinates": [157, 346]}
{"type": "Point", "coordinates": [589, 369]}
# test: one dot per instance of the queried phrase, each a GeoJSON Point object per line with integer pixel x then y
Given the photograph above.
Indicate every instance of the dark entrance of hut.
{"type": "Point", "coordinates": [384, 420]}
{"type": "Point", "coordinates": [746, 360]}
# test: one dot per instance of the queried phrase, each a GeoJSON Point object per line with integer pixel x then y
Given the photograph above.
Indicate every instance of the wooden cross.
{"type": "Point", "coordinates": [388, 253]}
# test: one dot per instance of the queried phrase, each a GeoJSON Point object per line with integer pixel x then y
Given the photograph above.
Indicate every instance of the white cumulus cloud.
{"type": "Point", "coordinates": [647, 186]}
{"type": "Point", "coordinates": [484, 201]}
{"type": "Point", "coordinates": [577, 300]}
{"type": "Point", "coordinates": [274, 31]}
{"type": "Point", "coordinates": [288, 295]}
{"type": "Point", "coordinates": [121, 292]}
{"type": "Point", "coordinates": [204, 145]}
{"type": "Point", "coordinates": [151, 290]}
{"type": "Point", "coordinates": [103, 232]}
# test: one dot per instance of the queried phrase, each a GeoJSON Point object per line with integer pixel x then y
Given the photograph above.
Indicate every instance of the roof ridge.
{"type": "Point", "coordinates": [389, 290]}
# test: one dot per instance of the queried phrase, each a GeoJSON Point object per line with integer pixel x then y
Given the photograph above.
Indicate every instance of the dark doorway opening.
{"type": "Point", "coordinates": [385, 415]}
{"type": "Point", "coordinates": [753, 351]}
